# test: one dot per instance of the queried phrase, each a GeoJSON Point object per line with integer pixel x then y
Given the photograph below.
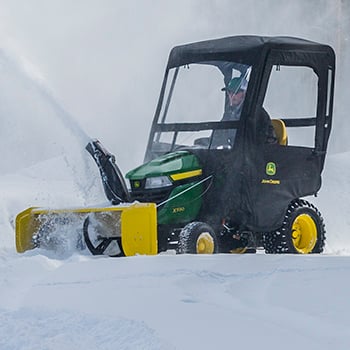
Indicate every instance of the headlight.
{"type": "Point", "coordinates": [157, 182]}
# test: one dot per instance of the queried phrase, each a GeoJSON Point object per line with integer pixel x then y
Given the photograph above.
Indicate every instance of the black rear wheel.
{"type": "Point", "coordinates": [198, 238]}
{"type": "Point", "coordinates": [302, 232]}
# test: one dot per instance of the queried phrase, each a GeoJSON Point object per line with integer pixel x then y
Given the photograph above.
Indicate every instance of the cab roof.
{"type": "Point", "coordinates": [248, 49]}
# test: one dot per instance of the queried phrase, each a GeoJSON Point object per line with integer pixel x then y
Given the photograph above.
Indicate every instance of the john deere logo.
{"type": "Point", "coordinates": [270, 168]}
{"type": "Point", "coordinates": [137, 184]}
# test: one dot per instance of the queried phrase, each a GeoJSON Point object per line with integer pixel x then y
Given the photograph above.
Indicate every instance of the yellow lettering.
{"type": "Point", "coordinates": [178, 210]}
{"type": "Point", "coordinates": [270, 182]}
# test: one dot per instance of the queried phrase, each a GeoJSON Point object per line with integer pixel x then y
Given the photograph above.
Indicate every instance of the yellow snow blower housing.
{"type": "Point", "coordinates": [133, 227]}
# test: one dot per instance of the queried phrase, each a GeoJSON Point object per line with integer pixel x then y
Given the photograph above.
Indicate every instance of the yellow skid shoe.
{"type": "Point", "coordinates": [136, 224]}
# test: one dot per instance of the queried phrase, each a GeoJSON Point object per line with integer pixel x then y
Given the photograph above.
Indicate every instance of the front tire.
{"type": "Point", "coordinates": [198, 238]}
{"type": "Point", "coordinates": [302, 232]}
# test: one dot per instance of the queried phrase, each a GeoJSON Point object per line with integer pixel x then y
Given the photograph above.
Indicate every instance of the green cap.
{"type": "Point", "coordinates": [235, 85]}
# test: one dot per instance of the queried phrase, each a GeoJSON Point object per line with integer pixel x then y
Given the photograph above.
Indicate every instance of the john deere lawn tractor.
{"type": "Point", "coordinates": [218, 177]}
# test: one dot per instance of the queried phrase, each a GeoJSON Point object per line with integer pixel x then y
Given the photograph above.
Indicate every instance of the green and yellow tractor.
{"type": "Point", "coordinates": [216, 178]}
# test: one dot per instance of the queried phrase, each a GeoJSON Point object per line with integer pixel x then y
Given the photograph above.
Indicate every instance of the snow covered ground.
{"type": "Point", "coordinates": [58, 302]}
{"type": "Point", "coordinates": [175, 302]}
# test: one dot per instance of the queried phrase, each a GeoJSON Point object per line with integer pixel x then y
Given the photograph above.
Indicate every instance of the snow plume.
{"type": "Point", "coordinates": [29, 112]}
{"type": "Point", "coordinates": [36, 128]}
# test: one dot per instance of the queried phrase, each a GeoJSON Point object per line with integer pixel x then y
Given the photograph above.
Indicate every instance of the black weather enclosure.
{"type": "Point", "coordinates": [259, 167]}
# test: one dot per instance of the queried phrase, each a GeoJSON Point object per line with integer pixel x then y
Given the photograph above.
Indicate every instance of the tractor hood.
{"type": "Point", "coordinates": [177, 165]}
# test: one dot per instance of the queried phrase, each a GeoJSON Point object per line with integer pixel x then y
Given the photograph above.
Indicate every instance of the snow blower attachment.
{"type": "Point", "coordinates": [239, 137]}
{"type": "Point", "coordinates": [127, 230]}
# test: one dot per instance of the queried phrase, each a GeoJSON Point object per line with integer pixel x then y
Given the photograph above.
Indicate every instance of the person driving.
{"type": "Point", "coordinates": [235, 91]}
{"type": "Point", "coordinates": [235, 95]}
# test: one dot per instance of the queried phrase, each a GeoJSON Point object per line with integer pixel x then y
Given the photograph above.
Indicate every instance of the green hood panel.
{"type": "Point", "coordinates": [171, 163]}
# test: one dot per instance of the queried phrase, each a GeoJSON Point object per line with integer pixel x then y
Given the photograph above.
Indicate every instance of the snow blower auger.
{"type": "Point", "coordinates": [239, 137]}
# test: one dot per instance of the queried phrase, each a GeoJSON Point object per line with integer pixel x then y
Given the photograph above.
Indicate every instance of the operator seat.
{"type": "Point", "coordinates": [281, 131]}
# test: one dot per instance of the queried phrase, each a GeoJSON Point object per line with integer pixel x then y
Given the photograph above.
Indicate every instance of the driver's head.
{"type": "Point", "coordinates": [235, 90]}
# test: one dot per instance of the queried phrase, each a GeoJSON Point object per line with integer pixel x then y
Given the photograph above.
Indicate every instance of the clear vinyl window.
{"type": "Point", "coordinates": [199, 93]}
{"type": "Point", "coordinates": [196, 92]}
{"type": "Point", "coordinates": [292, 94]}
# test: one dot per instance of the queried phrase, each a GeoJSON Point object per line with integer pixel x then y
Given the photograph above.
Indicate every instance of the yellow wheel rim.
{"type": "Point", "coordinates": [205, 244]}
{"type": "Point", "coordinates": [304, 234]}
{"type": "Point", "coordinates": [238, 250]}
